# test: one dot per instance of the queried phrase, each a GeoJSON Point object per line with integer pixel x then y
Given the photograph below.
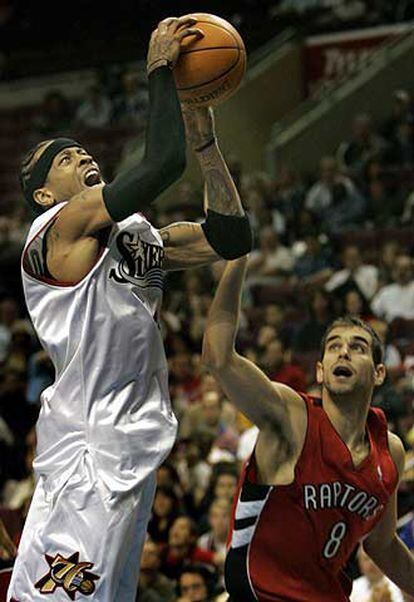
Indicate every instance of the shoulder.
{"type": "Point", "coordinates": [397, 451]}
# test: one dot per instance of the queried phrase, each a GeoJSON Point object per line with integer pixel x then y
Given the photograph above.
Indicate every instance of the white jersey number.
{"type": "Point", "coordinates": [335, 539]}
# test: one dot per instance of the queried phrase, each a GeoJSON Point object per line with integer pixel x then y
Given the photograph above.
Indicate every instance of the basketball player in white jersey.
{"type": "Point", "coordinates": [92, 274]}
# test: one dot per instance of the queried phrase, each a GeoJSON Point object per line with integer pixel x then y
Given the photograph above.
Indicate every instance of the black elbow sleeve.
{"type": "Point", "coordinates": [229, 235]}
{"type": "Point", "coordinates": [165, 157]}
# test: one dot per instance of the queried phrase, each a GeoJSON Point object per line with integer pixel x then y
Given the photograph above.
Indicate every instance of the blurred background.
{"type": "Point", "coordinates": [320, 141]}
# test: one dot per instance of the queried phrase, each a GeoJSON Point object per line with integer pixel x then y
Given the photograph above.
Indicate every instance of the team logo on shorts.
{"type": "Point", "coordinates": [70, 574]}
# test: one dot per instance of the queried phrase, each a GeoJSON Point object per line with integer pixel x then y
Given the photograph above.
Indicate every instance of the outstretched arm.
{"type": "Point", "coordinates": [266, 404]}
{"type": "Point", "coordinates": [383, 545]}
{"type": "Point", "coordinates": [226, 231]}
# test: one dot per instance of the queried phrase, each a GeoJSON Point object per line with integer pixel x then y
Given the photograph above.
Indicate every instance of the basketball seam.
{"type": "Point", "coordinates": [219, 26]}
{"type": "Point", "coordinates": [210, 48]}
{"type": "Point", "coordinates": [214, 78]}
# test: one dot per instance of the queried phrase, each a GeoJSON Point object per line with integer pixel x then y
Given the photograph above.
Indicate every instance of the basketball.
{"type": "Point", "coordinates": [209, 70]}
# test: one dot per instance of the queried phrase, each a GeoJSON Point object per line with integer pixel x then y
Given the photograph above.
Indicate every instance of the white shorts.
{"type": "Point", "coordinates": [74, 546]}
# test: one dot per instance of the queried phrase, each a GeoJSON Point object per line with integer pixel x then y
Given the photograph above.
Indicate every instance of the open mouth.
{"type": "Point", "coordinates": [92, 176]}
{"type": "Point", "coordinates": [343, 371]}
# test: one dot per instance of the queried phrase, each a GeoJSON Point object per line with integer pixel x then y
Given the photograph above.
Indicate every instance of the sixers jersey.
{"type": "Point", "coordinates": [110, 395]}
{"type": "Point", "coordinates": [292, 542]}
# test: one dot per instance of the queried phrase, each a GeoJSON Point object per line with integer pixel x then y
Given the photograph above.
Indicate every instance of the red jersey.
{"type": "Point", "coordinates": [292, 542]}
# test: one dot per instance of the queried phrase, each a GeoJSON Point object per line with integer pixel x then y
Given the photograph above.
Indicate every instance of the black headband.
{"type": "Point", "coordinates": [43, 165]}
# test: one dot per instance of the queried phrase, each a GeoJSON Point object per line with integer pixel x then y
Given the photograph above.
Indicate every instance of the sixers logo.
{"type": "Point", "coordinates": [69, 574]}
{"type": "Point", "coordinates": [140, 262]}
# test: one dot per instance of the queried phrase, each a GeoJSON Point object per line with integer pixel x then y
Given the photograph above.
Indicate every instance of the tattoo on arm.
{"type": "Point", "coordinates": [220, 193]}
{"type": "Point", "coordinates": [179, 234]}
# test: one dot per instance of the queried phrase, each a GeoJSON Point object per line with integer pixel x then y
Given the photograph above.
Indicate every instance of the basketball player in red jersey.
{"type": "Point", "coordinates": [324, 473]}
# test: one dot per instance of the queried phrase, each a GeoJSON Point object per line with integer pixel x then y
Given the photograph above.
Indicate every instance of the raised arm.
{"type": "Point", "coordinates": [383, 545]}
{"type": "Point", "coordinates": [226, 232]}
{"type": "Point", "coordinates": [270, 406]}
{"type": "Point", "coordinates": [72, 239]}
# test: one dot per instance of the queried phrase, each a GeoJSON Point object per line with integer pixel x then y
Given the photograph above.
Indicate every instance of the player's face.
{"type": "Point", "coordinates": [73, 170]}
{"type": "Point", "coordinates": [347, 366]}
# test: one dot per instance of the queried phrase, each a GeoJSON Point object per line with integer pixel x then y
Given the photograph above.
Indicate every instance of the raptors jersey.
{"type": "Point", "coordinates": [292, 542]}
{"type": "Point", "coordinates": [110, 396]}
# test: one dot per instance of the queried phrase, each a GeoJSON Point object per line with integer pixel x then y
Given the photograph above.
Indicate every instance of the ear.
{"type": "Point", "coordinates": [44, 197]}
{"type": "Point", "coordinates": [319, 373]}
{"type": "Point", "coordinates": [380, 374]}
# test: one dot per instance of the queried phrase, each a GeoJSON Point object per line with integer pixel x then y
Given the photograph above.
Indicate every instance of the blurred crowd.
{"type": "Point", "coordinates": [333, 242]}
{"type": "Point", "coordinates": [84, 40]}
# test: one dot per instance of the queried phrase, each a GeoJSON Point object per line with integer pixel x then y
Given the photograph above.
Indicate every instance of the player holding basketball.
{"type": "Point", "coordinates": [324, 473]}
{"type": "Point", "coordinates": [92, 275]}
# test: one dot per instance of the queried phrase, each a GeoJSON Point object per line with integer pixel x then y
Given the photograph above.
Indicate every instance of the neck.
{"type": "Point", "coordinates": [348, 415]}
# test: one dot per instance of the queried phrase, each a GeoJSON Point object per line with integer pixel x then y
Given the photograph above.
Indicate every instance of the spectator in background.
{"type": "Point", "coordinates": [320, 196]}
{"type": "Point", "coordinates": [392, 357]}
{"type": "Point", "coordinates": [214, 540]}
{"type": "Point", "coordinates": [407, 217]}
{"type": "Point", "coordinates": [55, 117]}
{"type": "Point", "coordinates": [384, 205]}
{"type": "Point", "coordinates": [131, 104]}
{"type": "Point", "coordinates": [401, 148]}
{"type": "Point", "coordinates": [10, 259]}
{"type": "Point", "coordinates": [271, 259]}
{"type": "Point", "coordinates": [314, 266]}
{"type": "Point", "coordinates": [277, 366]}
{"type": "Point", "coordinates": [153, 586]}
{"type": "Point", "coordinates": [95, 111]}
{"type": "Point", "coordinates": [396, 300]}
{"type": "Point", "coordinates": [310, 333]}
{"type": "Point", "coordinates": [185, 379]}
{"type": "Point", "coordinates": [211, 415]}
{"type": "Point", "coordinates": [165, 510]}
{"type": "Point", "coordinates": [9, 314]}
{"type": "Point", "coordinates": [17, 493]}
{"type": "Point", "coordinates": [364, 144]}
{"type": "Point", "coordinates": [401, 112]}
{"type": "Point", "coordinates": [192, 465]}
{"type": "Point", "coordinates": [289, 196]}
{"type": "Point", "coordinates": [348, 209]}
{"type": "Point", "coordinates": [197, 583]}
{"type": "Point", "coordinates": [40, 375]}
{"type": "Point", "coordinates": [214, 417]}
{"type": "Point", "coordinates": [355, 304]}
{"type": "Point", "coordinates": [388, 254]}
{"type": "Point", "coordinates": [20, 348]}
{"type": "Point", "coordinates": [182, 548]}
{"type": "Point", "coordinates": [223, 485]}
{"type": "Point", "coordinates": [373, 586]}
{"type": "Point", "coordinates": [354, 274]}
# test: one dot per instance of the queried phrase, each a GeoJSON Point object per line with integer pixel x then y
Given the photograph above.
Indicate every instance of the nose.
{"type": "Point", "coordinates": [344, 351]}
{"type": "Point", "coordinates": [85, 160]}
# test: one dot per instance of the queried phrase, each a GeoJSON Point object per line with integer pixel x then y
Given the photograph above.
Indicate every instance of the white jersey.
{"type": "Point", "coordinates": [110, 395]}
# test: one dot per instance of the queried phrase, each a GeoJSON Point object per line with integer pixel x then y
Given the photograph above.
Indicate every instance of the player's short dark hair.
{"type": "Point", "coordinates": [350, 321]}
{"type": "Point", "coordinates": [27, 165]}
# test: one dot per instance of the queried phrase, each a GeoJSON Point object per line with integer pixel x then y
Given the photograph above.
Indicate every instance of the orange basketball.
{"type": "Point", "coordinates": [210, 69]}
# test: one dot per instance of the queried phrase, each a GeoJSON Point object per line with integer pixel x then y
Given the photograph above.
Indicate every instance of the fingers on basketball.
{"type": "Point", "coordinates": [190, 31]}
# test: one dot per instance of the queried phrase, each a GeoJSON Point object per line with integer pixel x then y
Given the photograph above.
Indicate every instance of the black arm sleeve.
{"type": "Point", "coordinates": [164, 159]}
